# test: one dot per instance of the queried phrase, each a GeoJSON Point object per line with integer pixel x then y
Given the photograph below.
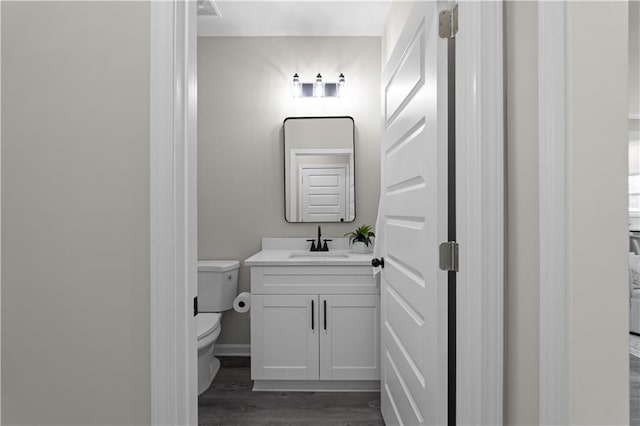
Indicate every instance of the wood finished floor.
{"type": "Point", "coordinates": [230, 401]}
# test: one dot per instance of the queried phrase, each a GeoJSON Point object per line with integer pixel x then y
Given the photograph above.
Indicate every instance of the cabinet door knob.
{"type": "Point", "coordinates": [375, 262]}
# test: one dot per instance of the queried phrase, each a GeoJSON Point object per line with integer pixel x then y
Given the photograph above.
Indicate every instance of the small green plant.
{"type": "Point", "coordinates": [362, 233]}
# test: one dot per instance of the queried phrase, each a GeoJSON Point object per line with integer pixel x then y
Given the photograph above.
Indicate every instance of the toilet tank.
{"type": "Point", "coordinates": [217, 284]}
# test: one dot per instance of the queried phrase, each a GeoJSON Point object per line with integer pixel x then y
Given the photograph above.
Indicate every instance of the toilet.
{"type": "Point", "coordinates": [217, 288]}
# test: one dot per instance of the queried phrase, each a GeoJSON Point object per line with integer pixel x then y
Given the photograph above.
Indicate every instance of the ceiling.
{"type": "Point", "coordinates": [295, 18]}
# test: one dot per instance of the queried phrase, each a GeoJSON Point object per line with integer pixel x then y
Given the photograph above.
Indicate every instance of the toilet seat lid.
{"type": "Point", "coordinates": [207, 323]}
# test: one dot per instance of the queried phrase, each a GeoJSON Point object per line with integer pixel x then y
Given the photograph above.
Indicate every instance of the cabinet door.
{"type": "Point", "coordinates": [349, 337]}
{"type": "Point", "coordinates": [284, 337]}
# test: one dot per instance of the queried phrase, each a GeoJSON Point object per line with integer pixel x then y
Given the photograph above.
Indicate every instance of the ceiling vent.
{"type": "Point", "coordinates": [208, 8]}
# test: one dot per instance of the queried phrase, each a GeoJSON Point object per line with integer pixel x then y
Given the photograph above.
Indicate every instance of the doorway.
{"type": "Point", "coordinates": [481, 174]}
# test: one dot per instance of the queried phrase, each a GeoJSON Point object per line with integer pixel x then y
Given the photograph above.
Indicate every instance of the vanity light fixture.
{"type": "Point", "coordinates": [318, 88]}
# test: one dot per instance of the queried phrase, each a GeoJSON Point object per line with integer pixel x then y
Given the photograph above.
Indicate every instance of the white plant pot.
{"type": "Point", "coordinates": [360, 247]}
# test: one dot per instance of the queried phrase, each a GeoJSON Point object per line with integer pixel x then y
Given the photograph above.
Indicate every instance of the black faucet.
{"type": "Point", "coordinates": [319, 246]}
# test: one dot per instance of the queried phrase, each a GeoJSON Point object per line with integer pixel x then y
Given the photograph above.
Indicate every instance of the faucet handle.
{"type": "Point", "coordinates": [325, 247]}
{"type": "Point", "coordinates": [313, 245]}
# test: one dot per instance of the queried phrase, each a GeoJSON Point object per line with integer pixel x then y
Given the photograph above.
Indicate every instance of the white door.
{"type": "Point", "coordinates": [413, 289]}
{"type": "Point", "coordinates": [284, 337]}
{"type": "Point", "coordinates": [349, 337]}
{"type": "Point", "coordinates": [324, 194]}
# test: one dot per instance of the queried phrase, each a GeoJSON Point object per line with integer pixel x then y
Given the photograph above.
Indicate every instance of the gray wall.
{"type": "Point", "coordinates": [75, 213]}
{"type": "Point", "coordinates": [598, 234]}
{"type": "Point", "coordinates": [0, 212]}
{"type": "Point", "coordinates": [244, 94]}
{"type": "Point", "coordinates": [634, 56]}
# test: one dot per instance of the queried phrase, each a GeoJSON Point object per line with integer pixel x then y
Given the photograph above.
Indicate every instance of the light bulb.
{"type": "Point", "coordinates": [296, 85]}
{"type": "Point", "coordinates": [341, 84]}
{"type": "Point", "coordinates": [319, 92]}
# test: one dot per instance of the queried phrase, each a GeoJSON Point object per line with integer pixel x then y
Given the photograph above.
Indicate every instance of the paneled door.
{"type": "Point", "coordinates": [324, 193]}
{"type": "Point", "coordinates": [414, 217]}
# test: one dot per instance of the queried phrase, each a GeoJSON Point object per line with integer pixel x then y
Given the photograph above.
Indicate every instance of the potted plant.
{"type": "Point", "coordinates": [360, 239]}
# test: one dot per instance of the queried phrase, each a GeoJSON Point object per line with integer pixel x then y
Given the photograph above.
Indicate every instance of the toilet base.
{"type": "Point", "coordinates": [215, 367]}
{"type": "Point", "coordinates": [208, 367]}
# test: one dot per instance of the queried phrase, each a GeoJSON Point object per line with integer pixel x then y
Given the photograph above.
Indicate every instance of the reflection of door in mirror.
{"type": "Point", "coordinates": [328, 190]}
{"type": "Point", "coordinates": [324, 193]}
{"type": "Point", "coordinates": [319, 169]}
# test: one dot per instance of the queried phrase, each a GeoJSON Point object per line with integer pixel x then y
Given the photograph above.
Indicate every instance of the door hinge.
{"type": "Point", "coordinates": [449, 256]}
{"type": "Point", "coordinates": [448, 22]}
{"type": "Point", "coordinates": [195, 306]}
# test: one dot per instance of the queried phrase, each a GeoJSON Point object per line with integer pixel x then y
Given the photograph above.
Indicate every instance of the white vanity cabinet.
{"type": "Point", "coordinates": [315, 327]}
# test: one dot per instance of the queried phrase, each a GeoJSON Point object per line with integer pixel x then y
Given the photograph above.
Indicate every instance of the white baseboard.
{"type": "Point", "coordinates": [317, 385]}
{"type": "Point", "coordinates": [231, 350]}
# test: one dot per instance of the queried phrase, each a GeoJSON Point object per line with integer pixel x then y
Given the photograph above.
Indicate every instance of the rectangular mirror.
{"type": "Point", "coordinates": [319, 169]}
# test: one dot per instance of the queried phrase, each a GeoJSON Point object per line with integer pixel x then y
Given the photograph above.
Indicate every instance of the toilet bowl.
{"type": "Point", "coordinates": [217, 287]}
{"type": "Point", "coordinates": [208, 365]}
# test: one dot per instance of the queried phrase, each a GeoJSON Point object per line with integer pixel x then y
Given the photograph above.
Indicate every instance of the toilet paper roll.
{"type": "Point", "coordinates": [242, 303]}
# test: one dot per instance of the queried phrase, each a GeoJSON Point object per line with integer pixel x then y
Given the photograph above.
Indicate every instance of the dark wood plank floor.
{"type": "Point", "coordinates": [634, 389]}
{"type": "Point", "coordinates": [230, 401]}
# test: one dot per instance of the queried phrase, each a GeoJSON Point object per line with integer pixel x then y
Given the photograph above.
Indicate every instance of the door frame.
{"type": "Point", "coordinates": [173, 209]}
{"type": "Point", "coordinates": [562, 391]}
{"type": "Point", "coordinates": [480, 212]}
{"type": "Point", "coordinates": [0, 219]}
{"type": "Point", "coordinates": [554, 214]}
{"type": "Point", "coordinates": [173, 236]}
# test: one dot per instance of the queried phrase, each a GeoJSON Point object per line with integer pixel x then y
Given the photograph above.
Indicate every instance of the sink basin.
{"type": "Point", "coordinates": [318, 255]}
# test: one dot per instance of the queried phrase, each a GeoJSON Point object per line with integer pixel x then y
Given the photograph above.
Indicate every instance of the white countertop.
{"type": "Point", "coordinates": [283, 257]}
{"type": "Point", "coordinates": [295, 252]}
